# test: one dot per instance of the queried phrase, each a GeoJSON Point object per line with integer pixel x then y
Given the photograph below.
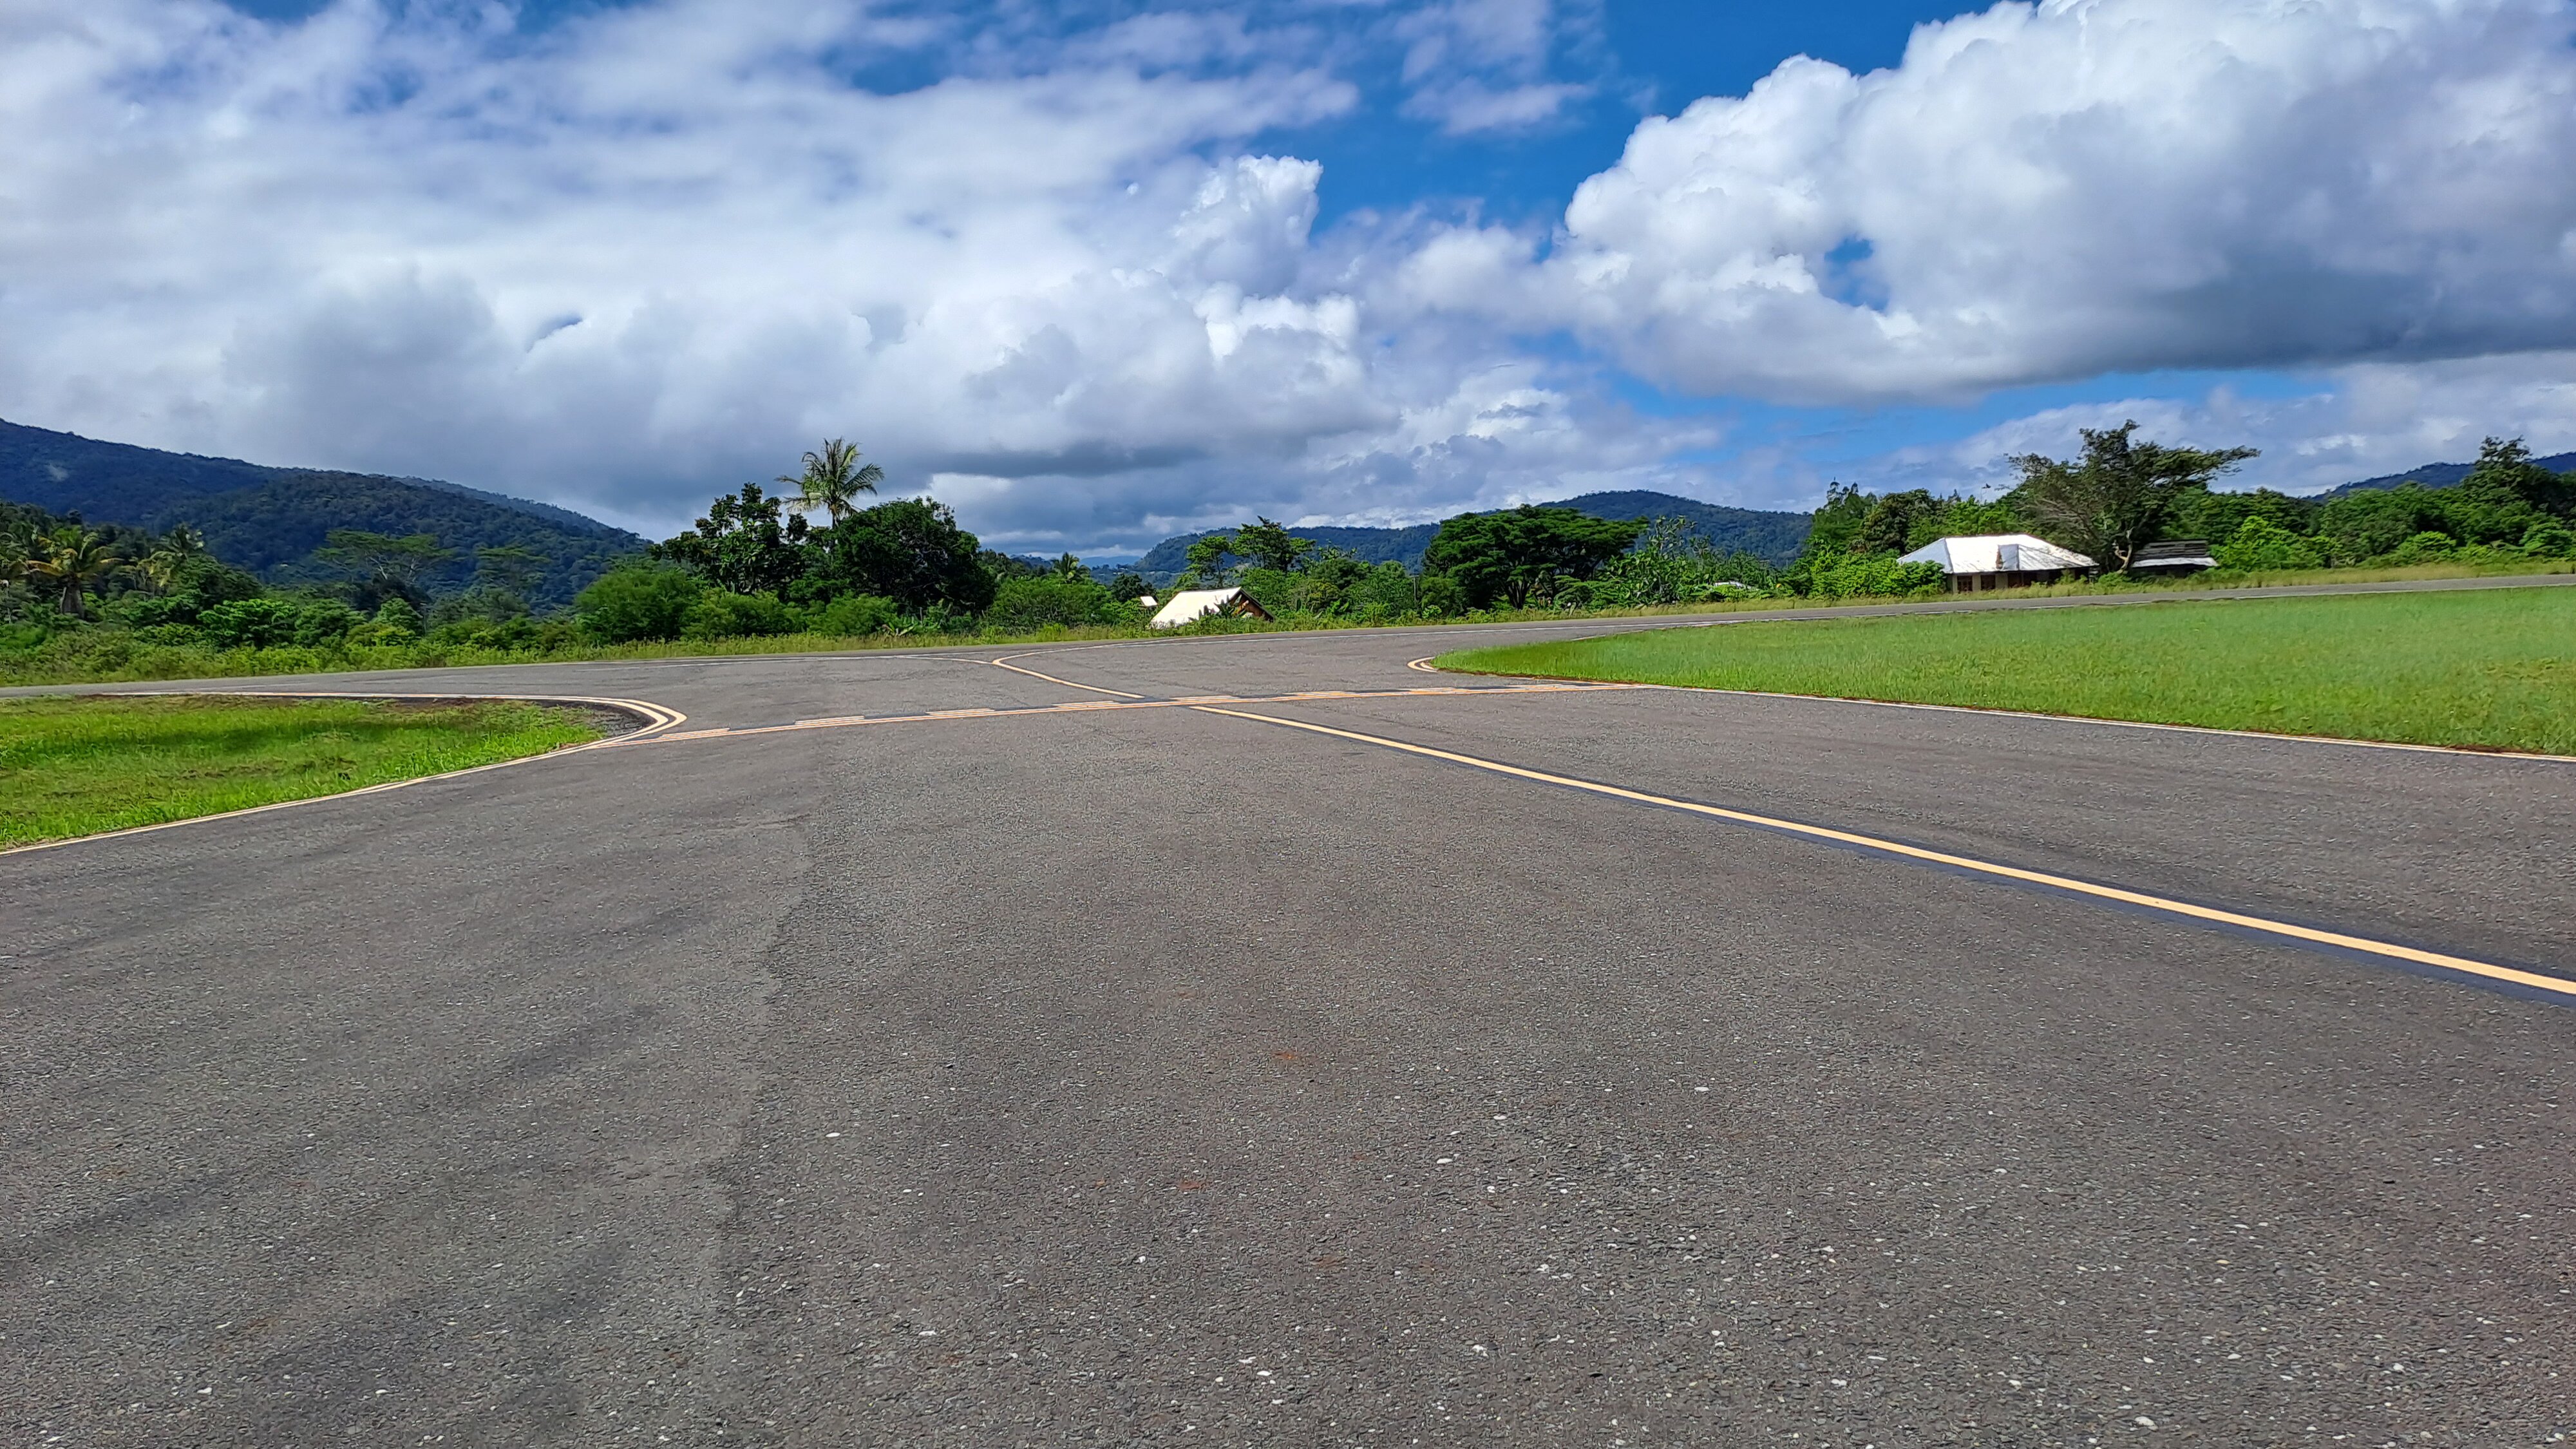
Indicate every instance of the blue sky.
{"type": "Point", "coordinates": [1097, 273]}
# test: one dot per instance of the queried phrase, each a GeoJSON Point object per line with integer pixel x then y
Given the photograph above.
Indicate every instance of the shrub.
{"type": "Point", "coordinates": [2550, 540]}
{"type": "Point", "coordinates": [249, 623]}
{"type": "Point", "coordinates": [638, 601]}
{"type": "Point", "coordinates": [1023, 605]}
{"type": "Point", "coordinates": [2259, 544]}
{"type": "Point", "coordinates": [398, 618]}
{"type": "Point", "coordinates": [1442, 595]}
{"type": "Point", "coordinates": [2425, 547]}
{"type": "Point", "coordinates": [852, 615]}
{"type": "Point", "coordinates": [503, 634]}
{"type": "Point", "coordinates": [719, 615]}
{"type": "Point", "coordinates": [1877, 577]}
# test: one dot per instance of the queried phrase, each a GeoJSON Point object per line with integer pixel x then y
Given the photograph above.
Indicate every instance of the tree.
{"type": "Point", "coordinates": [1269, 546]}
{"type": "Point", "coordinates": [172, 556]}
{"type": "Point", "coordinates": [741, 546]}
{"type": "Point", "coordinates": [910, 551]}
{"type": "Point", "coordinates": [71, 560]}
{"type": "Point", "coordinates": [1070, 567]}
{"type": "Point", "coordinates": [2112, 500]}
{"type": "Point", "coordinates": [639, 599]}
{"type": "Point", "coordinates": [1207, 558]}
{"type": "Point", "coordinates": [507, 570]}
{"type": "Point", "coordinates": [1129, 586]}
{"type": "Point", "coordinates": [2505, 475]}
{"type": "Point", "coordinates": [1892, 520]}
{"type": "Point", "coordinates": [1509, 554]}
{"type": "Point", "coordinates": [405, 561]}
{"type": "Point", "coordinates": [833, 479]}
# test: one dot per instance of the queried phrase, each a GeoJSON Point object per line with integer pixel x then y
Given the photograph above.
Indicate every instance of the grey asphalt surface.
{"type": "Point", "coordinates": [1150, 1076]}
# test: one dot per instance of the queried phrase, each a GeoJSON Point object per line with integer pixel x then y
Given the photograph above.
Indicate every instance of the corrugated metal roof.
{"type": "Point", "coordinates": [1997, 553]}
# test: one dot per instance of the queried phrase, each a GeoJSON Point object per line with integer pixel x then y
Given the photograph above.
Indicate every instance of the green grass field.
{"type": "Point", "coordinates": [76, 766]}
{"type": "Point", "coordinates": [2486, 669]}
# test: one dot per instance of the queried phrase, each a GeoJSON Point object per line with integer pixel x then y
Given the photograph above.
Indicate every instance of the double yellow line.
{"type": "Point", "coordinates": [2308, 935]}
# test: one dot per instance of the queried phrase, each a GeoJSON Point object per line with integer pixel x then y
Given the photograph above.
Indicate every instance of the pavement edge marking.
{"type": "Point", "coordinates": [2531, 980]}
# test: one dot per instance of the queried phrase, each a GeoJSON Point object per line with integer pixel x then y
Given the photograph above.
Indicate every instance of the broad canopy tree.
{"type": "Point", "coordinates": [2114, 498]}
{"type": "Point", "coordinates": [1509, 555]}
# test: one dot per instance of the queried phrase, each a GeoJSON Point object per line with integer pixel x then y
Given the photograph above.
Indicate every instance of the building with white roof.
{"type": "Point", "coordinates": [1999, 560]}
{"type": "Point", "coordinates": [1191, 605]}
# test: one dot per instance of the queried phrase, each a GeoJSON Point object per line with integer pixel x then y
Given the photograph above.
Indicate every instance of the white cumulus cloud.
{"type": "Point", "coordinates": [2057, 190]}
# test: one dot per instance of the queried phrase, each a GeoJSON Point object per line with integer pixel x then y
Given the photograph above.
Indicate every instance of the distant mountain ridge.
{"type": "Point", "coordinates": [1773, 536]}
{"type": "Point", "coordinates": [270, 520]}
{"type": "Point", "coordinates": [2439, 475]}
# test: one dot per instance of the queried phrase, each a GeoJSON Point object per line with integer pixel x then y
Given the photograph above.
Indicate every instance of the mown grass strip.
{"type": "Point", "coordinates": [78, 766]}
{"type": "Point", "coordinates": [2492, 669]}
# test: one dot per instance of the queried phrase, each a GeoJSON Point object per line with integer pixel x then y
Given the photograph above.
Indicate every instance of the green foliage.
{"type": "Point", "coordinates": [719, 615]}
{"type": "Point", "coordinates": [1671, 563]}
{"type": "Point", "coordinates": [267, 622]}
{"type": "Point", "coordinates": [1872, 576]}
{"type": "Point", "coordinates": [2118, 495]}
{"type": "Point", "coordinates": [1028, 605]}
{"type": "Point", "coordinates": [910, 550]}
{"type": "Point", "coordinates": [2550, 539]}
{"type": "Point", "coordinates": [1837, 526]}
{"type": "Point", "coordinates": [833, 479]}
{"type": "Point", "coordinates": [1269, 546]}
{"type": "Point", "coordinates": [1208, 563]}
{"type": "Point", "coordinates": [853, 616]}
{"type": "Point", "coordinates": [640, 600]}
{"type": "Point", "coordinates": [2220, 516]}
{"type": "Point", "coordinates": [1441, 596]}
{"type": "Point", "coordinates": [742, 545]}
{"type": "Point", "coordinates": [2482, 667]}
{"type": "Point", "coordinates": [1511, 554]}
{"type": "Point", "coordinates": [2261, 545]}
{"type": "Point", "coordinates": [399, 618]}
{"type": "Point", "coordinates": [2429, 546]}
{"type": "Point", "coordinates": [1129, 585]}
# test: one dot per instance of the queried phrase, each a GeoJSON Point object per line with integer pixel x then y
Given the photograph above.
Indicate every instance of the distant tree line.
{"type": "Point", "coordinates": [817, 557]}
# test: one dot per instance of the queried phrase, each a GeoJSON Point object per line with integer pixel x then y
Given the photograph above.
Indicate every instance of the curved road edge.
{"type": "Point", "coordinates": [650, 719]}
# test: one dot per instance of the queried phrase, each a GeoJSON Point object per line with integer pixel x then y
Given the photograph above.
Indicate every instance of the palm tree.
{"type": "Point", "coordinates": [169, 558]}
{"type": "Point", "coordinates": [833, 479]}
{"type": "Point", "coordinates": [73, 559]}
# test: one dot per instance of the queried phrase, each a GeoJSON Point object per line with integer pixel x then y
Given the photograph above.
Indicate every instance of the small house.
{"type": "Point", "coordinates": [1979, 562]}
{"type": "Point", "coordinates": [1191, 605]}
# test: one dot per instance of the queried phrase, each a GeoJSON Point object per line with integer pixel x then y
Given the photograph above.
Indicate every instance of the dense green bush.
{"type": "Point", "coordinates": [719, 615]}
{"type": "Point", "coordinates": [854, 615]}
{"type": "Point", "coordinates": [1877, 576]}
{"type": "Point", "coordinates": [2430, 546]}
{"type": "Point", "coordinates": [269, 622]}
{"type": "Point", "coordinates": [2261, 544]}
{"type": "Point", "coordinates": [1022, 605]}
{"type": "Point", "coordinates": [641, 600]}
{"type": "Point", "coordinates": [2550, 540]}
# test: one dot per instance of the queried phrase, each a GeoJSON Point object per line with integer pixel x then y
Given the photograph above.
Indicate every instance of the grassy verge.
{"type": "Point", "coordinates": [77, 766]}
{"type": "Point", "coordinates": [2487, 669]}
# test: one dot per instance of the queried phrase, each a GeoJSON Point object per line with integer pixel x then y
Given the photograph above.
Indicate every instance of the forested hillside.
{"type": "Point", "coordinates": [1766, 535]}
{"type": "Point", "coordinates": [272, 521]}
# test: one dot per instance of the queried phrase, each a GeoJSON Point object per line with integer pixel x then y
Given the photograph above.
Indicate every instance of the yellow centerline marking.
{"type": "Point", "coordinates": [2238, 919]}
{"type": "Point", "coordinates": [1005, 663]}
{"type": "Point", "coordinates": [1093, 706]}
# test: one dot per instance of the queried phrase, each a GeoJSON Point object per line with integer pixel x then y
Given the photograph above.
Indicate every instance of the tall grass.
{"type": "Point", "coordinates": [76, 766]}
{"type": "Point", "coordinates": [2486, 668]}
